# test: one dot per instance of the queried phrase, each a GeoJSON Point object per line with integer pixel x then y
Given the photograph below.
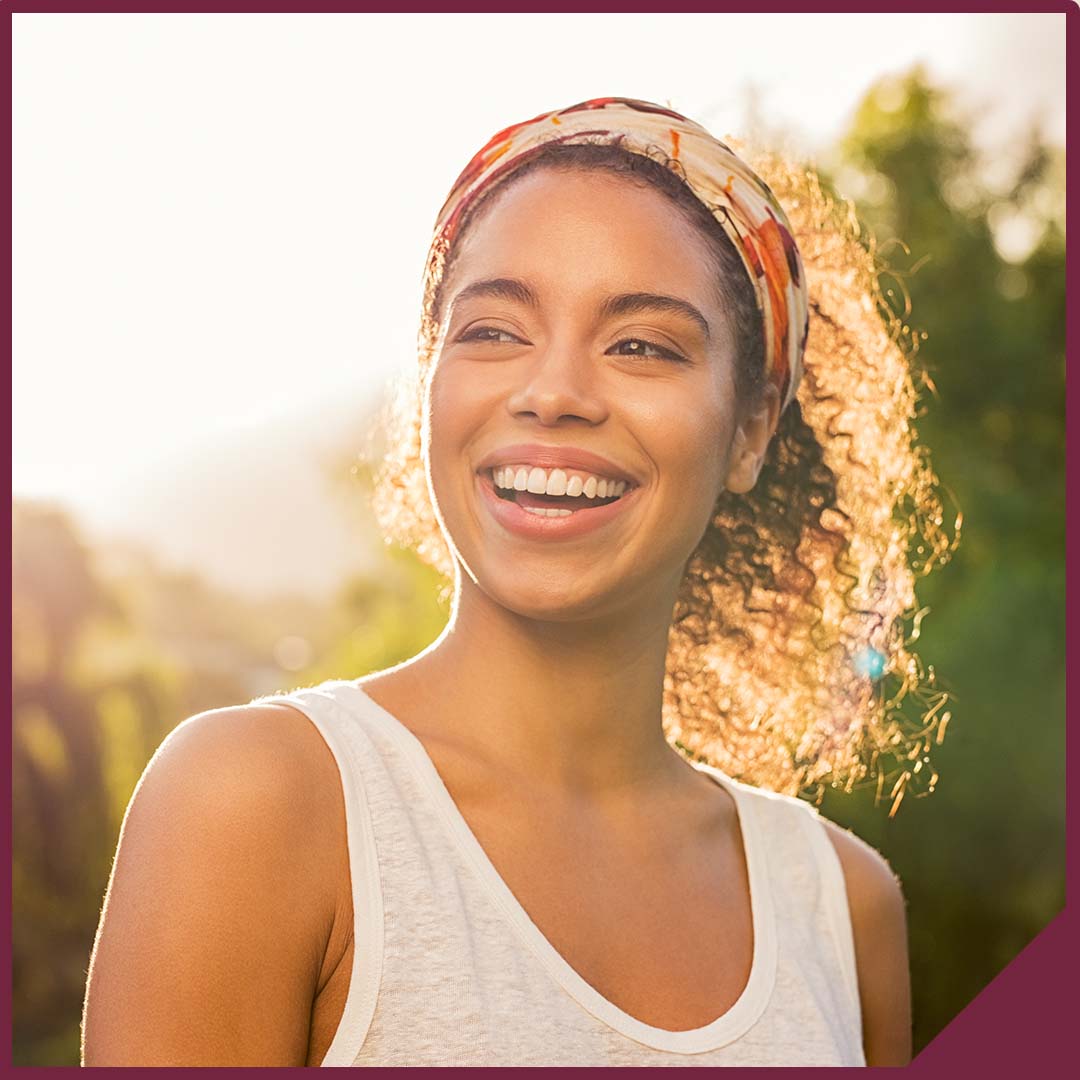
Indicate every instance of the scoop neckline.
{"type": "Point", "coordinates": [727, 1027]}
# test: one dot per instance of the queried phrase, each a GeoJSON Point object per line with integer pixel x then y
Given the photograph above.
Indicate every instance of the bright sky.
{"type": "Point", "coordinates": [222, 219]}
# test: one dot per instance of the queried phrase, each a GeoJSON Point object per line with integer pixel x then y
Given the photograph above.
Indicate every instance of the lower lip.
{"type": "Point", "coordinates": [540, 527]}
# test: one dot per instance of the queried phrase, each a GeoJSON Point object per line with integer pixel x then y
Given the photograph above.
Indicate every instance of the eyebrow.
{"type": "Point", "coordinates": [635, 303]}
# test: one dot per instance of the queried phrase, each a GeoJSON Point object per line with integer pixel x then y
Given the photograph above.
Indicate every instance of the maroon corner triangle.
{"type": "Point", "coordinates": [1023, 1020]}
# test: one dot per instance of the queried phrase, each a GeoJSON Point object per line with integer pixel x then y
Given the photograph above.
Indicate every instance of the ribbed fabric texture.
{"type": "Point", "coordinates": [450, 970]}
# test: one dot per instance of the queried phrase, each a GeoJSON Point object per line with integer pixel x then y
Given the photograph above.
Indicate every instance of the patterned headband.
{"type": "Point", "coordinates": [738, 198]}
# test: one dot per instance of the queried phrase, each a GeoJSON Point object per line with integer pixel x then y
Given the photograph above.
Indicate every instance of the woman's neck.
{"type": "Point", "coordinates": [576, 705]}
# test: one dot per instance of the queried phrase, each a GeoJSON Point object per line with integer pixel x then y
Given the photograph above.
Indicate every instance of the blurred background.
{"type": "Point", "coordinates": [220, 224]}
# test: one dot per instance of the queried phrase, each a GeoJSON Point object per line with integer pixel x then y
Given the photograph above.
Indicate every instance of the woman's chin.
{"type": "Point", "coordinates": [535, 595]}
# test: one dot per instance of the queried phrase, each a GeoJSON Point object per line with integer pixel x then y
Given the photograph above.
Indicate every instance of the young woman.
{"type": "Point", "coordinates": [567, 832]}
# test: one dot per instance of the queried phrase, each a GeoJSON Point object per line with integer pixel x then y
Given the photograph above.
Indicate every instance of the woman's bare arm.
{"type": "Point", "coordinates": [221, 900]}
{"type": "Point", "coordinates": [879, 926]}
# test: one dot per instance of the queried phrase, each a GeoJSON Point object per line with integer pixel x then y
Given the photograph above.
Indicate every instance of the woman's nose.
{"type": "Point", "coordinates": [558, 383]}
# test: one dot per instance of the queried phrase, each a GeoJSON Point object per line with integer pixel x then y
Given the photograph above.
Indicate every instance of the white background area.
{"type": "Point", "coordinates": [220, 221]}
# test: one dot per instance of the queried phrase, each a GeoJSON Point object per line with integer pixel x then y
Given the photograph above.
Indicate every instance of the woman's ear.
{"type": "Point", "coordinates": [752, 436]}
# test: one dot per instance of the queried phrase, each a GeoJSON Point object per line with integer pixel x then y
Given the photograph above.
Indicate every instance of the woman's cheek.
{"type": "Point", "coordinates": [703, 466]}
{"type": "Point", "coordinates": [453, 414]}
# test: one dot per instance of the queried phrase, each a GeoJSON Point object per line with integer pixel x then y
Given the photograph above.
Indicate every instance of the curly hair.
{"type": "Point", "coordinates": [788, 662]}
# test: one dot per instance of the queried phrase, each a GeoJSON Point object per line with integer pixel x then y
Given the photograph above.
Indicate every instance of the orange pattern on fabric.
{"type": "Point", "coordinates": [777, 277]}
{"type": "Point", "coordinates": [751, 251]}
{"type": "Point", "coordinates": [748, 210]}
{"type": "Point", "coordinates": [496, 154]}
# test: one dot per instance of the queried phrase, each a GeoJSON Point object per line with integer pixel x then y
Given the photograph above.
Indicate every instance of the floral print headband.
{"type": "Point", "coordinates": [738, 198]}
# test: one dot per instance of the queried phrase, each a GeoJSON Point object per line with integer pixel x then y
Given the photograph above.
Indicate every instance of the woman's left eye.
{"type": "Point", "coordinates": [641, 345]}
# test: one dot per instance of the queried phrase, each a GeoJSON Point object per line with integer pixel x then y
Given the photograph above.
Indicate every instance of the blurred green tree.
{"type": "Point", "coordinates": [974, 244]}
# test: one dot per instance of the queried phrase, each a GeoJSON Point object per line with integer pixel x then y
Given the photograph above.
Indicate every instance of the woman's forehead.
{"type": "Point", "coordinates": [583, 230]}
{"type": "Point", "coordinates": [568, 199]}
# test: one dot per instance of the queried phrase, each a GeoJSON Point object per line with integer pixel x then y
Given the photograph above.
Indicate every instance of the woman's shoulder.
{"type": "Point", "coordinates": [228, 869]}
{"type": "Point", "coordinates": [866, 870]}
{"type": "Point", "coordinates": [874, 891]}
{"type": "Point", "coordinates": [878, 918]}
{"type": "Point", "coordinates": [869, 875]}
{"type": "Point", "coordinates": [259, 783]}
{"type": "Point", "coordinates": [265, 756]}
{"type": "Point", "coordinates": [879, 929]}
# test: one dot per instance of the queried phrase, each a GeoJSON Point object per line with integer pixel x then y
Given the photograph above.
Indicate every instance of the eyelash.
{"type": "Point", "coordinates": [665, 354]}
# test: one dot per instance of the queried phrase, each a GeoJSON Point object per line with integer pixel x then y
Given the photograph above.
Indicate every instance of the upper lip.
{"type": "Point", "coordinates": [556, 457]}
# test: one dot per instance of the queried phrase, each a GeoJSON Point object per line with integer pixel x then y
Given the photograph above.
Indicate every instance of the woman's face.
{"type": "Point", "coordinates": [558, 357]}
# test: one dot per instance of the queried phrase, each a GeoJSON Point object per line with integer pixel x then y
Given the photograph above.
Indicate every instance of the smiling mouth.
{"type": "Point", "coordinates": [529, 500]}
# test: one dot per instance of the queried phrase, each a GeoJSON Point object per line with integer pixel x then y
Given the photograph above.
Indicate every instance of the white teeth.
{"type": "Point", "coordinates": [556, 482]}
{"type": "Point", "coordinates": [547, 511]}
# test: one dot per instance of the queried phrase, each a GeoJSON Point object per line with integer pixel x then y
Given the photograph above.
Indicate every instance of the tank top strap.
{"type": "Point", "coordinates": [835, 895]}
{"type": "Point", "coordinates": [359, 767]}
{"type": "Point", "coordinates": [806, 870]}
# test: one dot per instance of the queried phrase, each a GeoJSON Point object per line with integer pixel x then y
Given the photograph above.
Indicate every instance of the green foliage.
{"type": "Point", "coordinates": [982, 859]}
{"type": "Point", "coordinates": [390, 619]}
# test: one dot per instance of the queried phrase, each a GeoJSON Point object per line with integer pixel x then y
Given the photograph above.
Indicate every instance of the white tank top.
{"type": "Point", "coordinates": [448, 968]}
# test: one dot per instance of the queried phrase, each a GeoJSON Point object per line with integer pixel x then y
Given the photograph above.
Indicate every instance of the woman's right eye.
{"type": "Point", "coordinates": [479, 333]}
